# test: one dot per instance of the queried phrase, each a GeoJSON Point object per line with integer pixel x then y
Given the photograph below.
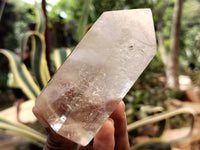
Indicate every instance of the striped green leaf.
{"type": "Point", "coordinates": [40, 25]}
{"type": "Point", "coordinates": [24, 131]}
{"type": "Point", "coordinates": [152, 144]}
{"type": "Point", "coordinates": [59, 56]}
{"type": "Point", "coordinates": [83, 20]}
{"type": "Point", "coordinates": [38, 55]}
{"type": "Point", "coordinates": [21, 76]}
{"type": "Point", "coordinates": [160, 117]}
{"type": "Point", "coordinates": [38, 50]}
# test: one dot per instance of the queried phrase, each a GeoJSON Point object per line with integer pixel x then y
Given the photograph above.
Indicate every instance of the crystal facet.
{"type": "Point", "coordinates": [97, 75]}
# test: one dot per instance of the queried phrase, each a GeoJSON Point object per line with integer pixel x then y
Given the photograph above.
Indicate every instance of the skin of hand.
{"type": "Point", "coordinates": [112, 136]}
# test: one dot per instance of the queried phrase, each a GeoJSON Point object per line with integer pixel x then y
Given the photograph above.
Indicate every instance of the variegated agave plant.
{"type": "Point", "coordinates": [23, 79]}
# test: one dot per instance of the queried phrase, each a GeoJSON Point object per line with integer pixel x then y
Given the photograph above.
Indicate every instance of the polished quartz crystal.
{"type": "Point", "coordinates": [97, 75]}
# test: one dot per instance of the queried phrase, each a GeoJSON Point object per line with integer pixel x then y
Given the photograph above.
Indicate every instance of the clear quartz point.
{"type": "Point", "coordinates": [97, 75]}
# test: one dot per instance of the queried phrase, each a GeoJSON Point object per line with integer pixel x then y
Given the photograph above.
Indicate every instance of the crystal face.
{"type": "Point", "coordinates": [97, 75]}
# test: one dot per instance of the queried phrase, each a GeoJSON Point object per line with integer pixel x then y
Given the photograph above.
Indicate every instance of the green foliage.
{"type": "Point", "coordinates": [129, 4]}
{"type": "Point", "coordinates": [3, 81]}
{"type": "Point", "coordinates": [76, 14]}
{"type": "Point", "coordinates": [150, 89]}
{"type": "Point", "coordinates": [3, 72]}
{"type": "Point", "coordinates": [20, 77]}
{"type": "Point", "coordinates": [167, 21]}
{"type": "Point", "coordinates": [9, 127]}
{"type": "Point", "coordinates": [58, 57]}
{"type": "Point", "coordinates": [15, 20]}
{"type": "Point", "coordinates": [182, 120]}
{"type": "Point", "coordinates": [8, 18]}
{"type": "Point", "coordinates": [68, 7]}
{"type": "Point", "coordinates": [160, 117]}
{"type": "Point", "coordinates": [197, 42]}
{"type": "Point", "coordinates": [83, 12]}
{"type": "Point", "coordinates": [73, 11]}
{"type": "Point", "coordinates": [103, 5]}
{"type": "Point", "coordinates": [83, 21]}
{"type": "Point", "coordinates": [23, 80]}
{"type": "Point", "coordinates": [190, 57]}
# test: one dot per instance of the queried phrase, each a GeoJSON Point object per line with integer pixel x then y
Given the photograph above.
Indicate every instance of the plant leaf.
{"type": "Point", "coordinates": [40, 25]}
{"type": "Point", "coordinates": [38, 54]}
{"type": "Point", "coordinates": [24, 131]}
{"type": "Point", "coordinates": [59, 56]}
{"type": "Point", "coordinates": [163, 116]}
{"type": "Point", "coordinates": [22, 77]}
{"type": "Point", "coordinates": [83, 20]}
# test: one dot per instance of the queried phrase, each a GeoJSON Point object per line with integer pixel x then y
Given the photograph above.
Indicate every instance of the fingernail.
{"type": "Point", "coordinates": [122, 103]}
{"type": "Point", "coordinates": [111, 121]}
{"type": "Point", "coordinates": [39, 117]}
{"type": "Point", "coordinates": [43, 122]}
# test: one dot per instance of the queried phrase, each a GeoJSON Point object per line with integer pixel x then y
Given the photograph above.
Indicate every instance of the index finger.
{"type": "Point", "coordinates": [121, 134]}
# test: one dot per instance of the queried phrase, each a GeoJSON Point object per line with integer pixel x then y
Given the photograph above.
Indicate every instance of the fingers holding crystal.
{"type": "Point", "coordinates": [54, 140]}
{"type": "Point", "coordinates": [121, 135]}
{"type": "Point", "coordinates": [39, 117]}
{"type": "Point", "coordinates": [104, 139]}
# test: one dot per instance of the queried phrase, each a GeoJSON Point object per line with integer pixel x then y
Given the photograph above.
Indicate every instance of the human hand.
{"type": "Point", "coordinates": [112, 136]}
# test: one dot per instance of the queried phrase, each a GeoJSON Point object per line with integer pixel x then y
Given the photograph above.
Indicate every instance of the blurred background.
{"type": "Point", "coordinates": [162, 107]}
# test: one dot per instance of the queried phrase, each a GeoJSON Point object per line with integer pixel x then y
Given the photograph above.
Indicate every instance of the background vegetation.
{"type": "Point", "coordinates": [68, 20]}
